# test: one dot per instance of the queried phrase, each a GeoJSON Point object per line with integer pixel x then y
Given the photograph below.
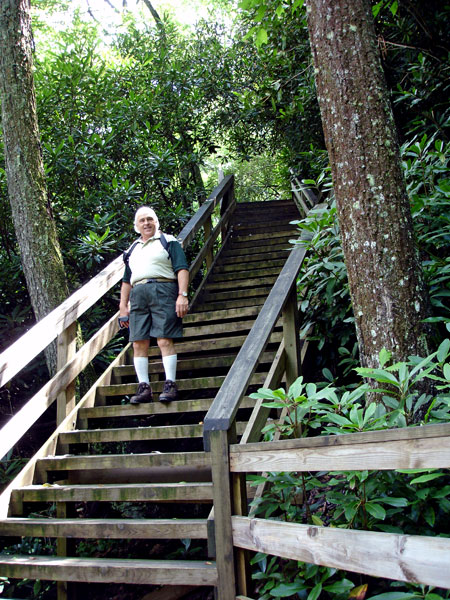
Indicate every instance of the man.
{"type": "Point", "coordinates": [154, 297]}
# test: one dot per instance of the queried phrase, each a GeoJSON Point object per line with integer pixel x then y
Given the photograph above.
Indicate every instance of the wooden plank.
{"type": "Point", "coordinates": [412, 558]}
{"type": "Point", "coordinates": [260, 413]}
{"type": "Point", "coordinates": [19, 354]}
{"type": "Point", "coordinates": [19, 424]}
{"type": "Point", "coordinates": [227, 304]}
{"type": "Point", "coordinates": [118, 492]}
{"type": "Point", "coordinates": [291, 337]}
{"type": "Point", "coordinates": [224, 296]}
{"type": "Point", "coordinates": [249, 278]}
{"type": "Point", "coordinates": [66, 350]}
{"type": "Point", "coordinates": [275, 237]}
{"type": "Point", "coordinates": [223, 410]}
{"type": "Point", "coordinates": [195, 346]}
{"type": "Point", "coordinates": [217, 328]}
{"type": "Point", "coordinates": [428, 453]}
{"type": "Point", "coordinates": [248, 250]}
{"type": "Point", "coordinates": [168, 460]}
{"type": "Point", "coordinates": [220, 315]}
{"type": "Point", "coordinates": [111, 570]}
{"type": "Point", "coordinates": [137, 434]}
{"type": "Point", "coordinates": [128, 410]}
{"type": "Point", "coordinates": [194, 383]}
{"type": "Point", "coordinates": [222, 515]}
{"type": "Point", "coordinates": [105, 528]}
{"type": "Point", "coordinates": [384, 435]}
{"type": "Point", "coordinates": [244, 266]}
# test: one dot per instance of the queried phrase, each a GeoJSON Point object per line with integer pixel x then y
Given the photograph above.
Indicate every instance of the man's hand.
{"type": "Point", "coordinates": [181, 306]}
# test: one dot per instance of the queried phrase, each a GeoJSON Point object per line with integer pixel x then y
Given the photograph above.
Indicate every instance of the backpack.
{"type": "Point", "coordinates": [127, 253]}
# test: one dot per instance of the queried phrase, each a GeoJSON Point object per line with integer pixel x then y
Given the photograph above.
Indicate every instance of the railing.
{"type": "Point", "coordinates": [229, 495]}
{"type": "Point", "coordinates": [61, 323]}
{"type": "Point", "coordinates": [401, 557]}
{"type": "Point", "coordinates": [410, 558]}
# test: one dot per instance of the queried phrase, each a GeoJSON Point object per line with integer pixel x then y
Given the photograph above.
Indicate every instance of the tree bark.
{"type": "Point", "coordinates": [33, 222]}
{"type": "Point", "coordinates": [385, 277]}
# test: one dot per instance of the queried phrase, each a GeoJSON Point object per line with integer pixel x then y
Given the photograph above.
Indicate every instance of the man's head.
{"type": "Point", "coordinates": [146, 222]}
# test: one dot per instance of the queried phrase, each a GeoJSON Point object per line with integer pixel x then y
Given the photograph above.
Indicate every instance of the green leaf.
{"type": "Point", "coordinates": [424, 478]}
{"type": "Point", "coordinates": [287, 589]}
{"type": "Point", "coordinates": [376, 510]}
{"type": "Point", "coordinates": [384, 356]}
{"type": "Point", "coordinates": [317, 521]}
{"type": "Point", "coordinates": [315, 592]}
{"type": "Point", "coordinates": [429, 516]}
{"type": "Point", "coordinates": [443, 350]}
{"type": "Point", "coordinates": [394, 596]}
{"type": "Point", "coordinates": [339, 587]}
{"type": "Point", "coordinates": [394, 7]}
{"type": "Point", "coordinates": [261, 37]}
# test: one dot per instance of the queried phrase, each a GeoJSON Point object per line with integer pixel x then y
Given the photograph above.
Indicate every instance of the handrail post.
{"type": "Point", "coordinates": [66, 344]}
{"type": "Point", "coordinates": [220, 470]}
{"type": "Point", "coordinates": [291, 337]}
{"type": "Point", "coordinates": [207, 228]}
{"type": "Point", "coordinates": [227, 200]}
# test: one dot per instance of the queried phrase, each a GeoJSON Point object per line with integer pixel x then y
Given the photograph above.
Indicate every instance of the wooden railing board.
{"type": "Point", "coordinates": [19, 424]}
{"type": "Point", "coordinates": [404, 433]}
{"type": "Point", "coordinates": [415, 559]}
{"type": "Point", "coordinates": [21, 352]}
{"type": "Point", "coordinates": [415, 453]}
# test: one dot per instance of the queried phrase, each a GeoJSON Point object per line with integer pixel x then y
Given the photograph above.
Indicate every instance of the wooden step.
{"type": "Point", "coordinates": [217, 328]}
{"type": "Point", "coordinates": [124, 389]}
{"type": "Point", "coordinates": [214, 362]}
{"type": "Point", "coordinates": [236, 294]}
{"type": "Point", "coordinates": [241, 259]}
{"type": "Point", "coordinates": [244, 268]}
{"type": "Point", "coordinates": [261, 239]}
{"type": "Point", "coordinates": [248, 250]}
{"type": "Point", "coordinates": [247, 275]}
{"type": "Point", "coordinates": [115, 492]}
{"type": "Point", "coordinates": [106, 528]}
{"type": "Point", "coordinates": [245, 301]}
{"type": "Point", "coordinates": [236, 283]}
{"type": "Point", "coordinates": [221, 315]}
{"type": "Point", "coordinates": [154, 408]}
{"type": "Point", "coordinates": [111, 570]}
{"type": "Point", "coordinates": [195, 346]}
{"type": "Point", "coordinates": [136, 434]}
{"type": "Point", "coordinates": [196, 461]}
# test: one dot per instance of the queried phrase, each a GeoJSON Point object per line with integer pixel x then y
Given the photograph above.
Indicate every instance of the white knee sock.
{"type": "Point", "coordinates": [170, 366]}
{"type": "Point", "coordinates": [141, 368]}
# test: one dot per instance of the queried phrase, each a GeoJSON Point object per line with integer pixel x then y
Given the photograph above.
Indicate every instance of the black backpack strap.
{"type": "Point", "coordinates": [164, 241]}
{"type": "Point", "coordinates": [127, 253]}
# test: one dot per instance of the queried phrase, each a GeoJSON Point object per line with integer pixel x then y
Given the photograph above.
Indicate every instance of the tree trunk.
{"type": "Point", "coordinates": [386, 285]}
{"type": "Point", "coordinates": [33, 223]}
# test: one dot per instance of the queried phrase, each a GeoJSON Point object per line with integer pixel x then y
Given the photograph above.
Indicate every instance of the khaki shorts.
{"type": "Point", "coordinates": [152, 312]}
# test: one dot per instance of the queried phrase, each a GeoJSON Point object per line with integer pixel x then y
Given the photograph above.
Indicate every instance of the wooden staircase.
{"type": "Point", "coordinates": [131, 479]}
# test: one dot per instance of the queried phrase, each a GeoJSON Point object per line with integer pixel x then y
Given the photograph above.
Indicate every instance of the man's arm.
{"type": "Point", "coordinates": [124, 309]}
{"type": "Point", "coordinates": [182, 303]}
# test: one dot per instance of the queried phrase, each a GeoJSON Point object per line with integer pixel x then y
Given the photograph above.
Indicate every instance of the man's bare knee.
{"type": "Point", "coordinates": [140, 347]}
{"type": "Point", "coordinates": [166, 346]}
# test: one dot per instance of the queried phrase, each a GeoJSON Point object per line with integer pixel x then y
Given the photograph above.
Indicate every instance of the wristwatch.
{"type": "Point", "coordinates": [185, 294]}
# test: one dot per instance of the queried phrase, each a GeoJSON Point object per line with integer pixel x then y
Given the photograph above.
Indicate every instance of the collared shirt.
{"type": "Point", "coordinates": [150, 260]}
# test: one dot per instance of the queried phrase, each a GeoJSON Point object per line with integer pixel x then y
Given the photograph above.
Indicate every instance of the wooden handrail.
{"type": "Point", "coordinates": [225, 405]}
{"type": "Point", "coordinates": [28, 346]}
{"type": "Point", "coordinates": [188, 233]}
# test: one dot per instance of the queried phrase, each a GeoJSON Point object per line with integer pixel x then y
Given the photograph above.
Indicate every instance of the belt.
{"type": "Point", "coordinates": [153, 280]}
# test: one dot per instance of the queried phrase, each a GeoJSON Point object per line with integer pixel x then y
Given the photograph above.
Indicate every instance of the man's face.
{"type": "Point", "coordinates": [146, 225]}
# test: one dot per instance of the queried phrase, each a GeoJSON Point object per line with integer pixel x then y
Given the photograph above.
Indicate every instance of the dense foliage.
{"type": "Point", "coordinates": [151, 119]}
